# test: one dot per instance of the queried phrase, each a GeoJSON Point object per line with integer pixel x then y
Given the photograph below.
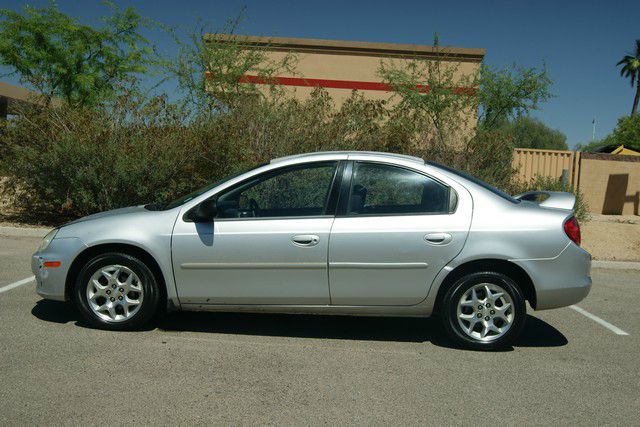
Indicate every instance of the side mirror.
{"type": "Point", "coordinates": [204, 212]}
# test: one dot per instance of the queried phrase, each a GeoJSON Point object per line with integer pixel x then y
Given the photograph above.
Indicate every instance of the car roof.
{"type": "Point", "coordinates": [347, 154]}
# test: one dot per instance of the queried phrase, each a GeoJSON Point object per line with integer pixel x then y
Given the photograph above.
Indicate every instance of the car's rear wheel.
{"type": "Point", "coordinates": [116, 291]}
{"type": "Point", "coordinates": [484, 310]}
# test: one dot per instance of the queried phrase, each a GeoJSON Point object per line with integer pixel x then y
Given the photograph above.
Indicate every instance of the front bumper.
{"type": "Point", "coordinates": [50, 281]}
{"type": "Point", "coordinates": [560, 281]}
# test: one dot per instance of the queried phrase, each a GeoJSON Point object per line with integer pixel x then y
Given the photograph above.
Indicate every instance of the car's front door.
{"type": "Point", "coordinates": [396, 228]}
{"type": "Point", "coordinates": [267, 245]}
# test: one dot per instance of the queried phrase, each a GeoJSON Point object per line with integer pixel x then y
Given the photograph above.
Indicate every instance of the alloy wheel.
{"type": "Point", "coordinates": [485, 312]}
{"type": "Point", "coordinates": [114, 293]}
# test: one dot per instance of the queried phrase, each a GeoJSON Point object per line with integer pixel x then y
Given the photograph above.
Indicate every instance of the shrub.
{"type": "Point", "coordinates": [64, 163]}
{"type": "Point", "coordinates": [119, 150]}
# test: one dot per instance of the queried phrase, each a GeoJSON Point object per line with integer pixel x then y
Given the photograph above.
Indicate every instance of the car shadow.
{"type": "Point", "coordinates": [54, 311]}
{"type": "Point", "coordinates": [536, 333]}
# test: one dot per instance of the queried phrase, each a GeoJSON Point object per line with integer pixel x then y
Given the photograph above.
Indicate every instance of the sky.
{"type": "Point", "coordinates": [579, 41]}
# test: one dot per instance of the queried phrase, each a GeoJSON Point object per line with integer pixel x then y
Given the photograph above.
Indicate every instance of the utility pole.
{"type": "Point", "coordinates": [593, 132]}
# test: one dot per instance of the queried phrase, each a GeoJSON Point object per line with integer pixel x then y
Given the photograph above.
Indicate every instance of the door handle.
{"type": "Point", "coordinates": [305, 240]}
{"type": "Point", "coordinates": [438, 238]}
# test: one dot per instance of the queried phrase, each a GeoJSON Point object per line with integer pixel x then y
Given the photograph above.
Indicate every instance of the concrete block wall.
{"type": "Point", "coordinates": [610, 183]}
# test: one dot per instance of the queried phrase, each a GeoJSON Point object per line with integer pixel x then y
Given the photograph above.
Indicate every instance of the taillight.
{"type": "Point", "coordinates": [572, 229]}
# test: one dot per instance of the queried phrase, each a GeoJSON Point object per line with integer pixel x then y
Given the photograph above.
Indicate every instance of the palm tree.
{"type": "Point", "coordinates": [631, 68]}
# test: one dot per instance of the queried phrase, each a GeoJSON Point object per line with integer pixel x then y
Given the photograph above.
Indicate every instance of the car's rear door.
{"type": "Point", "coordinates": [396, 228]}
{"type": "Point", "coordinates": [268, 244]}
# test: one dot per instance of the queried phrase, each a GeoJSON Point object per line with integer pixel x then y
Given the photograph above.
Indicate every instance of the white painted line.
{"type": "Point", "coordinates": [596, 319]}
{"type": "Point", "coordinates": [16, 284]}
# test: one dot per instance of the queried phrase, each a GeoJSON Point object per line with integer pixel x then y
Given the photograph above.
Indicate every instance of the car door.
{"type": "Point", "coordinates": [267, 245]}
{"type": "Point", "coordinates": [396, 228]}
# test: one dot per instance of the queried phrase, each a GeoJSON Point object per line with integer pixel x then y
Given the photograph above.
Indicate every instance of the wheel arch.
{"type": "Point", "coordinates": [508, 268]}
{"type": "Point", "coordinates": [83, 257]}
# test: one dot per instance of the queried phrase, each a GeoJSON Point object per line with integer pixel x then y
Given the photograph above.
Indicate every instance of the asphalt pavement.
{"type": "Point", "coordinates": [206, 368]}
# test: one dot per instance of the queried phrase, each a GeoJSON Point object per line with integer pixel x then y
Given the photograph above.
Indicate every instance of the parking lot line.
{"type": "Point", "coordinates": [596, 319]}
{"type": "Point", "coordinates": [16, 284]}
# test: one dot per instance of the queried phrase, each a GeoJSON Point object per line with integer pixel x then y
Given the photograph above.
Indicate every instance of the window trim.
{"type": "Point", "coordinates": [330, 203]}
{"type": "Point", "coordinates": [345, 192]}
{"type": "Point", "coordinates": [476, 181]}
{"type": "Point", "coordinates": [345, 189]}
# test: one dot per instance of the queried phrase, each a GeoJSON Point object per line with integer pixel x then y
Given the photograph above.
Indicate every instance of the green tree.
{"type": "Point", "coordinates": [508, 93]}
{"type": "Point", "coordinates": [626, 132]}
{"type": "Point", "coordinates": [527, 132]}
{"type": "Point", "coordinates": [631, 69]}
{"type": "Point", "coordinates": [428, 86]}
{"type": "Point", "coordinates": [435, 101]}
{"type": "Point", "coordinates": [426, 91]}
{"type": "Point", "coordinates": [209, 69]}
{"type": "Point", "coordinates": [61, 57]}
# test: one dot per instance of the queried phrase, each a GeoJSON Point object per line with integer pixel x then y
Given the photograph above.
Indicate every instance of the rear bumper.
{"type": "Point", "coordinates": [560, 281]}
{"type": "Point", "coordinates": [50, 282]}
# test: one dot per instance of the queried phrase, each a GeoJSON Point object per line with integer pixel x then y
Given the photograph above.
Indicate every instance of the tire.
{"type": "Point", "coordinates": [497, 320]}
{"type": "Point", "coordinates": [126, 296]}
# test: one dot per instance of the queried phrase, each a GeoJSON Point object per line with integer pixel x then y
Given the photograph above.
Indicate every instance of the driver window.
{"type": "Point", "coordinates": [299, 191]}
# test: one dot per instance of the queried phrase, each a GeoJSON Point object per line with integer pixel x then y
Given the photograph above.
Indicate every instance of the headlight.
{"type": "Point", "coordinates": [47, 240]}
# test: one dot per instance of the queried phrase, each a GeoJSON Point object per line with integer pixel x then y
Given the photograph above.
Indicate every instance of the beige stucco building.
{"type": "Point", "coordinates": [342, 66]}
{"type": "Point", "coordinates": [13, 97]}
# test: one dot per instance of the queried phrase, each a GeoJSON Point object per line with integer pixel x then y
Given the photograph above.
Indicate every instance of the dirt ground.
{"type": "Point", "coordinates": [612, 237]}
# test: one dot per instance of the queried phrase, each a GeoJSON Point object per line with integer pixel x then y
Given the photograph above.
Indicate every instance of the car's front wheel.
{"type": "Point", "coordinates": [484, 311]}
{"type": "Point", "coordinates": [116, 291]}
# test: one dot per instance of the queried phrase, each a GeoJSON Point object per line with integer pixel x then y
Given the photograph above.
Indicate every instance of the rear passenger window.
{"type": "Point", "coordinates": [383, 189]}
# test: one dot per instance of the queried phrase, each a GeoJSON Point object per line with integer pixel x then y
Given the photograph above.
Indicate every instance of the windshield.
{"type": "Point", "coordinates": [475, 180]}
{"type": "Point", "coordinates": [184, 199]}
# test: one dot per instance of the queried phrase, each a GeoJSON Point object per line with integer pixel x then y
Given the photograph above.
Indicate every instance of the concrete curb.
{"type": "Point", "coordinates": [24, 231]}
{"type": "Point", "coordinates": [616, 265]}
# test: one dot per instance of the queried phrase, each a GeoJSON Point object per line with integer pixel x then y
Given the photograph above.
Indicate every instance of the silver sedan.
{"type": "Point", "coordinates": [334, 233]}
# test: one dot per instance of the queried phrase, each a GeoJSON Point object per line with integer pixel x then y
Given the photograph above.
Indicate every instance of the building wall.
{"type": "Point", "coordinates": [342, 66]}
{"type": "Point", "coordinates": [355, 70]}
{"type": "Point", "coordinates": [13, 97]}
{"type": "Point", "coordinates": [611, 183]}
